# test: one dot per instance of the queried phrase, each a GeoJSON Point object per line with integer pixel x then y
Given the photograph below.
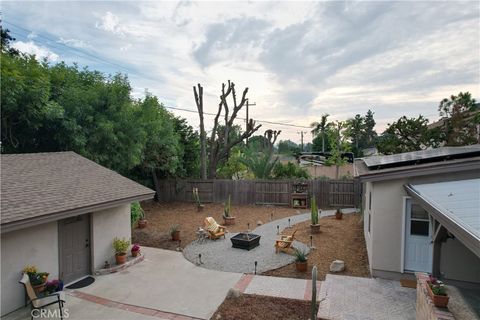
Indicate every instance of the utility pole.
{"type": "Point", "coordinates": [246, 118]}
{"type": "Point", "coordinates": [301, 135]}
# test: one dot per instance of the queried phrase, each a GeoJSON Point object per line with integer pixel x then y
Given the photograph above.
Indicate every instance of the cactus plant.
{"type": "Point", "coordinates": [314, 293]}
{"type": "Point", "coordinates": [227, 213]}
{"type": "Point", "coordinates": [226, 210]}
{"type": "Point", "coordinates": [314, 211]}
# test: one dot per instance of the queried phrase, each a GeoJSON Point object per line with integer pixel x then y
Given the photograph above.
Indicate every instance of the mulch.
{"type": "Point", "coordinates": [252, 307]}
{"type": "Point", "coordinates": [337, 240]}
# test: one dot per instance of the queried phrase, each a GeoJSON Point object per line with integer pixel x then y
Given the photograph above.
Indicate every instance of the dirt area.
{"type": "Point", "coordinates": [162, 216]}
{"type": "Point", "coordinates": [252, 307]}
{"type": "Point", "coordinates": [338, 239]}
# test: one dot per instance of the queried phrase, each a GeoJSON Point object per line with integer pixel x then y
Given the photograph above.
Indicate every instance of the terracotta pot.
{"type": "Point", "coordinates": [135, 253]}
{"type": "Point", "coordinates": [175, 235]}
{"type": "Point", "coordinates": [200, 207]}
{"type": "Point", "coordinates": [229, 221]}
{"type": "Point", "coordinates": [438, 301]}
{"type": "Point", "coordinates": [121, 258]}
{"type": "Point", "coordinates": [315, 228]}
{"type": "Point", "coordinates": [39, 287]}
{"type": "Point", "coordinates": [142, 223]}
{"type": "Point", "coordinates": [338, 215]}
{"type": "Point", "coordinates": [301, 266]}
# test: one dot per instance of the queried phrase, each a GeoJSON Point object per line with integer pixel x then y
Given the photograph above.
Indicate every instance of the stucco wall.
{"type": "Point", "coordinates": [367, 214]}
{"type": "Point", "coordinates": [106, 225]}
{"type": "Point", "coordinates": [457, 262]}
{"type": "Point", "coordinates": [386, 226]}
{"type": "Point", "coordinates": [32, 246]}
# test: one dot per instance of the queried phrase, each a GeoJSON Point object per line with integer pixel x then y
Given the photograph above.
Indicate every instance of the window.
{"type": "Point", "coordinates": [419, 222]}
{"type": "Point", "coordinates": [370, 200]}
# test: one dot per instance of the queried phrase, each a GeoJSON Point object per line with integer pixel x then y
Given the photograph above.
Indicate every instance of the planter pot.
{"type": "Point", "coordinates": [39, 287]}
{"type": "Point", "coordinates": [229, 221]}
{"type": "Point", "coordinates": [301, 266]}
{"type": "Point", "coordinates": [200, 207]}
{"type": "Point", "coordinates": [142, 223]}
{"type": "Point", "coordinates": [438, 301]}
{"type": "Point", "coordinates": [175, 235]}
{"type": "Point", "coordinates": [315, 228]}
{"type": "Point", "coordinates": [121, 258]}
{"type": "Point", "coordinates": [135, 253]}
{"type": "Point", "coordinates": [338, 215]}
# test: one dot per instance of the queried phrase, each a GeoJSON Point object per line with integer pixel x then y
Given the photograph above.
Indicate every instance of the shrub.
{"type": "Point", "coordinates": [300, 256]}
{"type": "Point", "coordinates": [136, 212]}
{"type": "Point", "coordinates": [289, 170]}
{"type": "Point", "coordinates": [174, 228]}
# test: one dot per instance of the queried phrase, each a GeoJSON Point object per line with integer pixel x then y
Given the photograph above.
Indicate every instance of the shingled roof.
{"type": "Point", "coordinates": [38, 185]}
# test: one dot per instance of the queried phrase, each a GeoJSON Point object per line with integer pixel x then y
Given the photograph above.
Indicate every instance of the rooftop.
{"type": "Point", "coordinates": [49, 184]}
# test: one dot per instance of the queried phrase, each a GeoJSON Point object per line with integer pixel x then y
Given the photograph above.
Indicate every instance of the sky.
{"type": "Point", "coordinates": [299, 59]}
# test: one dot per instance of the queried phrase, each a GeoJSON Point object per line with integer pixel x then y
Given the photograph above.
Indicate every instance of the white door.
{"type": "Point", "coordinates": [418, 247]}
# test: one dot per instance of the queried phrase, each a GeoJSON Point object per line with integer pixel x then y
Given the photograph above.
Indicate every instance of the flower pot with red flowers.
{"type": "Point", "coordinates": [339, 214]}
{"type": "Point", "coordinates": [227, 217]}
{"type": "Point", "coordinates": [437, 292]}
{"type": "Point", "coordinates": [121, 247]}
{"type": "Point", "coordinates": [301, 261]}
{"type": "Point", "coordinates": [135, 250]}
{"type": "Point", "coordinates": [175, 232]}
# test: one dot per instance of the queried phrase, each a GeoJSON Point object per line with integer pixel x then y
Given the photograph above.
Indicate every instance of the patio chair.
{"type": "Point", "coordinates": [215, 230]}
{"type": "Point", "coordinates": [285, 243]}
{"type": "Point", "coordinates": [44, 301]}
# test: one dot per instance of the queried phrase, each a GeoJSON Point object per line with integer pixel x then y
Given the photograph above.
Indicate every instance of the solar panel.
{"type": "Point", "coordinates": [420, 156]}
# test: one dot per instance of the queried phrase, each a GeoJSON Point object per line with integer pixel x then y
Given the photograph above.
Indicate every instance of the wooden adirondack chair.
{"type": "Point", "coordinates": [215, 230]}
{"type": "Point", "coordinates": [285, 243]}
{"type": "Point", "coordinates": [42, 302]}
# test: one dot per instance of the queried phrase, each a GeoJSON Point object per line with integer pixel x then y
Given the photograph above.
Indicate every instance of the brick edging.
{"type": "Point", "coordinates": [116, 268]}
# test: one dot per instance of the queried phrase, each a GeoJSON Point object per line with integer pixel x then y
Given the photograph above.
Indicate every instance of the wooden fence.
{"type": "Point", "coordinates": [328, 193]}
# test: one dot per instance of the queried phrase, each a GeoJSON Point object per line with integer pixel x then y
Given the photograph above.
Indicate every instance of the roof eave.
{"type": "Point", "coordinates": [446, 167]}
{"type": "Point", "coordinates": [467, 238]}
{"type": "Point", "coordinates": [30, 222]}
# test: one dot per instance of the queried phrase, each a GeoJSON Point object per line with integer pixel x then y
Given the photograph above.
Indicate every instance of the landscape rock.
{"type": "Point", "coordinates": [337, 266]}
{"type": "Point", "coordinates": [259, 223]}
{"type": "Point", "coordinates": [233, 293]}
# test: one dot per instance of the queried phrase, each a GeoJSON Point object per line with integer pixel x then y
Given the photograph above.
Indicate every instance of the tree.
{"type": "Point", "coordinates": [234, 167]}
{"type": "Point", "coordinates": [288, 147]}
{"type": "Point", "coordinates": [260, 164]}
{"type": "Point", "coordinates": [355, 131]}
{"type": "Point", "coordinates": [203, 136]}
{"type": "Point", "coordinates": [320, 128]}
{"type": "Point", "coordinates": [289, 171]}
{"type": "Point", "coordinates": [189, 144]}
{"type": "Point", "coordinates": [408, 134]}
{"type": "Point", "coordinates": [337, 146]}
{"type": "Point", "coordinates": [370, 133]}
{"type": "Point", "coordinates": [5, 39]}
{"type": "Point", "coordinates": [220, 144]}
{"type": "Point", "coordinates": [460, 122]}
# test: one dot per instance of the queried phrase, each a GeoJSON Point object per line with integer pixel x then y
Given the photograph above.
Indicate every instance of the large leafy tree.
{"type": "Point", "coordinates": [408, 134]}
{"type": "Point", "coordinates": [355, 131]}
{"type": "Point", "coordinates": [460, 119]}
{"type": "Point", "coordinates": [370, 133]}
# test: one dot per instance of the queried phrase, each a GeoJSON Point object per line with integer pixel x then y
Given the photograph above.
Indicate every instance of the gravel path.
{"type": "Point", "coordinates": [220, 255]}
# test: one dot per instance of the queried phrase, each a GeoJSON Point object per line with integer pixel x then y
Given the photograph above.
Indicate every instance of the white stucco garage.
{"type": "Point", "coordinates": [59, 212]}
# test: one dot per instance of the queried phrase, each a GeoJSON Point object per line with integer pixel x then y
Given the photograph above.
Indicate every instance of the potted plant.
{"type": "Point", "coordinates": [137, 210]}
{"type": "Point", "coordinates": [54, 286]}
{"type": "Point", "coordinates": [135, 250]}
{"type": "Point", "coordinates": [120, 246]}
{"type": "Point", "coordinates": [227, 218]}
{"type": "Point", "coordinates": [437, 292]}
{"type": "Point", "coordinates": [314, 226]}
{"type": "Point", "coordinates": [339, 214]}
{"type": "Point", "coordinates": [200, 206]}
{"type": "Point", "coordinates": [175, 232]}
{"type": "Point", "coordinates": [301, 261]}
{"type": "Point", "coordinates": [37, 279]}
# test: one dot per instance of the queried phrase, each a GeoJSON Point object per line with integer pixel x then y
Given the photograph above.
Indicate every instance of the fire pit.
{"type": "Point", "coordinates": [246, 241]}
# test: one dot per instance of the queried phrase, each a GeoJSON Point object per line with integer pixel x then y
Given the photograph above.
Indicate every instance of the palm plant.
{"type": "Point", "coordinates": [260, 164]}
{"type": "Point", "coordinates": [320, 128]}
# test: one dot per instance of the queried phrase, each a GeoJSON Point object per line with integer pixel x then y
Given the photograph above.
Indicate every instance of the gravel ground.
{"type": "Point", "coordinates": [219, 254]}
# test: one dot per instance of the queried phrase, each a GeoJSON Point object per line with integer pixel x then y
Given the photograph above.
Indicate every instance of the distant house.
{"type": "Point", "coordinates": [422, 213]}
{"type": "Point", "coordinates": [60, 212]}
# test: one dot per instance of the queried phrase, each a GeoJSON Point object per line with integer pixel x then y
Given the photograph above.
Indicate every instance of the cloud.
{"type": "Point", "coordinates": [39, 51]}
{"type": "Point", "coordinates": [77, 43]}
{"type": "Point", "coordinates": [110, 23]}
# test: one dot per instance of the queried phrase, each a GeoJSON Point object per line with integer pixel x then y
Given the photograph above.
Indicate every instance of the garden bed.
{"type": "Point", "coordinates": [338, 239]}
{"type": "Point", "coordinates": [161, 216]}
{"type": "Point", "coordinates": [252, 307]}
